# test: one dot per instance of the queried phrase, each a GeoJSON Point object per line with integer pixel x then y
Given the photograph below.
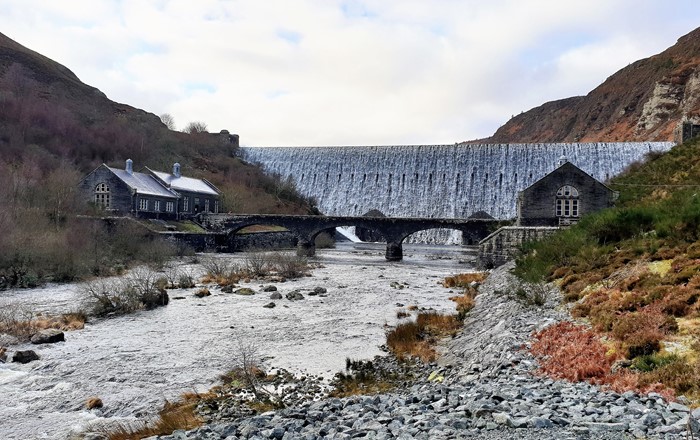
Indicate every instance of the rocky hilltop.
{"type": "Point", "coordinates": [644, 101]}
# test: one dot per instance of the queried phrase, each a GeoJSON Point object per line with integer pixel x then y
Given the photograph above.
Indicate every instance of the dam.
{"type": "Point", "coordinates": [445, 181]}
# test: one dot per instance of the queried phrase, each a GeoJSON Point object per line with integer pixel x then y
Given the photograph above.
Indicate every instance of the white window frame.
{"type": "Point", "coordinates": [206, 205]}
{"type": "Point", "coordinates": [156, 205]}
{"type": "Point", "coordinates": [169, 207]}
{"type": "Point", "coordinates": [186, 204]}
{"type": "Point", "coordinates": [143, 204]}
{"type": "Point", "coordinates": [216, 206]}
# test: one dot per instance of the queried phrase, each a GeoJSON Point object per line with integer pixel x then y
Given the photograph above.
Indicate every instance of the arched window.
{"type": "Point", "coordinates": [102, 198]}
{"type": "Point", "coordinates": [567, 204]}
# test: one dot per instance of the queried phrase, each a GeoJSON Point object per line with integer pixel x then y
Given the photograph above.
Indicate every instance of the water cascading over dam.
{"type": "Point", "coordinates": [436, 180]}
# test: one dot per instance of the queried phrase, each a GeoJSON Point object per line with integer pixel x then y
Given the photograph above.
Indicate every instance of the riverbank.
{"type": "Point", "coordinates": [134, 363]}
{"type": "Point", "coordinates": [486, 388]}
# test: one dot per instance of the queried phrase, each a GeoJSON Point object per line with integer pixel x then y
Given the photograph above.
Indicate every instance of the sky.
{"type": "Point", "coordinates": [346, 72]}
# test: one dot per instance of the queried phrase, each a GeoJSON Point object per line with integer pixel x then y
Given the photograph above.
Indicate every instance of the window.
{"type": "Point", "coordinates": [567, 204]}
{"type": "Point", "coordinates": [186, 204]}
{"type": "Point", "coordinates": [143, 204]}
{"type": "Point", "coordinates": [102, 195]}
{"type": "Point", "coordinates": [216, 206]}
{"type": "Point", "coordinates": [169, 206]}
{"type": "Point", "coordinates": [156, 205]}
{"type": "Point", "coordinates": [196, 205]}
{"type": "Point", "coordinates": [206, 205]}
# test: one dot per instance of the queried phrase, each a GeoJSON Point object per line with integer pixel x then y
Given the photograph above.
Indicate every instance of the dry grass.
{"type": "Point", "coordinates": [23, 323]}
{"type": "Point", "coordinates": [94, 402]}
{"type": "Point", "coordinates": [464, 302]}
{"type": "Point", "coordinates": [464, 279]}
{"type": "Point", "coordinates": [417, 338]}
{"type": "Point", "coordinates": [173, 416]}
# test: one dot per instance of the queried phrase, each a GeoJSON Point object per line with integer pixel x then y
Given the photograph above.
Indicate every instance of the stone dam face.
{"type": "Point", "coordinates": [436, 180]}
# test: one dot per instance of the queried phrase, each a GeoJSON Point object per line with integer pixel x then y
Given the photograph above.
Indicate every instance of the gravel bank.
{"type": "Point", "coordinates": [485, 389]}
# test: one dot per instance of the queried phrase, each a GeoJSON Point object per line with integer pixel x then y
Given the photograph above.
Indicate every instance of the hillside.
{"type": "Point", "coordinates": [54, 129]}
{"type": "Point", "coordinates": [48, 116]}
{"type": "Point", "coordinates": [642, 102]}
{"type": "Point", "coordinates": [633, 274]}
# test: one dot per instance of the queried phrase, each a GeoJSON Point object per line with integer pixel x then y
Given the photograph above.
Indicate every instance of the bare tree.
{"type": "Point", "coordinates": [195, 127]}
{"type": "Point", "coordinates": [168, 120]}
{"type": "Point", "coordinates": [247, 363]}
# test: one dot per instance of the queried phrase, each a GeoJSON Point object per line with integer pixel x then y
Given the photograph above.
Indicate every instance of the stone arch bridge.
{"type": "Point", "coordinates": [307, 227]}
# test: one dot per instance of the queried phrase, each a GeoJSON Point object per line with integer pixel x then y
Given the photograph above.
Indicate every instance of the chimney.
{"type": "Point", "coordinates": [562, 161]}
{"type": "Point", "coordinates": [176, 169]}
{"type": "Point", "coordinates": [129, 166]}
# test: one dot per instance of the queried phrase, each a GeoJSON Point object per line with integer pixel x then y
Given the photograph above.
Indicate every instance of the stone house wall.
{"type": "Point", "coordinates": [537, 203]}
{"type": "Point", "coordinates": [121, 199]}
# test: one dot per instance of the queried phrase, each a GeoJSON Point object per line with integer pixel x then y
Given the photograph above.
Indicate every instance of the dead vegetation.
{"type": "Point", "coordinates": [256, 265]}
{"type": "Point", "coordinates": [22, 323]}
{"type": "Point", "coordinates": [417, 338]}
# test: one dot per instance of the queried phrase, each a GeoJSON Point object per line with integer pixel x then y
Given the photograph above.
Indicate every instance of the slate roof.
{"type": "Point", "coordinates": [144, 183]}
{"type": "Point", "coordinates": [186, 183]}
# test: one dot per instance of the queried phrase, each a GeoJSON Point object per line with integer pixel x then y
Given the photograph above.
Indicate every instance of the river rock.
{"type": "Point", "coordinates": [276, 295]}
{"type": "Point", "coordinates": [48, 336]}
{"type": "Point", "coordinates": [25, 356]}
{"type": "Point", "coordinates": [6, 340]}
{"type": "Point", "coordinates": [3, 354]}
{"type": "Point", "coordinates": [269, 288]}
{"type": "Point", "coordinates": [294, 295]}
{"type": "Point", "coordinates": [227, 289]}
{"type": "Point", "coordinates": [244, 291]}
{"type": "Point", "coordinates": [269, 305]}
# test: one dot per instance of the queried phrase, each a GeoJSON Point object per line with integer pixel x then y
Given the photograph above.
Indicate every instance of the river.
{"type": "Point", "coordinates": [135, 362]}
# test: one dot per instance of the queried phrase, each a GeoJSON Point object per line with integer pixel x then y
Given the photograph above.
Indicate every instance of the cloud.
{"type": "Point", "coordinates": [318, 72]}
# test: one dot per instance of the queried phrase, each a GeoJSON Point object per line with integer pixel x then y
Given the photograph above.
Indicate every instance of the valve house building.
{"type": "Point", "coordinates": [150, 194]}
{"type": "Point", "coordinates": [561, 197]}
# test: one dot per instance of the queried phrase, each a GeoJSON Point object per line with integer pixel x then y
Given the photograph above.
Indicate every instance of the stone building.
{"type": "Point", "coordinates": [150, 194]}
{"type": "Point", "coordinates": [561, 197]}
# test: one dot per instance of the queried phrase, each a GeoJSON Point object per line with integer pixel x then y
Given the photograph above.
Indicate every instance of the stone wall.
{"type": "Point", "coordinates": [219, 242]}
{"type": "Point", "coordinates": [504, 244]}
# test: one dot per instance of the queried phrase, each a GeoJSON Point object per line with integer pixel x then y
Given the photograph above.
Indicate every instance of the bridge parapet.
{"type": "Point", "coordinates": [307, 227]}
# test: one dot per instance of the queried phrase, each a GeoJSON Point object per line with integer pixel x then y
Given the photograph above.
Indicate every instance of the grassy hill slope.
{"type": "Point", "coordinates": [633, 272]}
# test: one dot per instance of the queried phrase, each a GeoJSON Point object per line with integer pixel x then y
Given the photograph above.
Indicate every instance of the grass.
{"type": "Point", "coordinates": [22, 323]}
{"type": "Point", "coordinates": [364, 378]}
{"type": "Point", "coordinates": [464, 279]}
{"type": "Point", "coordinates": [417, 338]}
{"type": "Point", "coordinates": [173, 416]}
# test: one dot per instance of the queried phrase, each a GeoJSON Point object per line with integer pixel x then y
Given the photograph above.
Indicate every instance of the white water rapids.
{"type": "Point", "coordinates": [135, 362]}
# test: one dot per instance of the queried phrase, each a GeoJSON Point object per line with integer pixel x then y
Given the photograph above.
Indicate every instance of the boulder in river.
{"type": "Point", "coordinates": [25, 356]}
{"type": "Point", "coordinates": [48, 336]}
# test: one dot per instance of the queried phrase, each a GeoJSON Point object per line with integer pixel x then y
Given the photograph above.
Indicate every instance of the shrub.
{"type": "Point", "coordinates": [216, 267]}
{"type": "Point", "coordinates": [290, 265]}
{"type": "Point", "coordinates": [641, 332]}
{"type": "Point", "coordinates": [185, 281]}
{"type": "Point", "coordinates": [257, 264]}
{"type": "Point", "coordinates": [139, 290]}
